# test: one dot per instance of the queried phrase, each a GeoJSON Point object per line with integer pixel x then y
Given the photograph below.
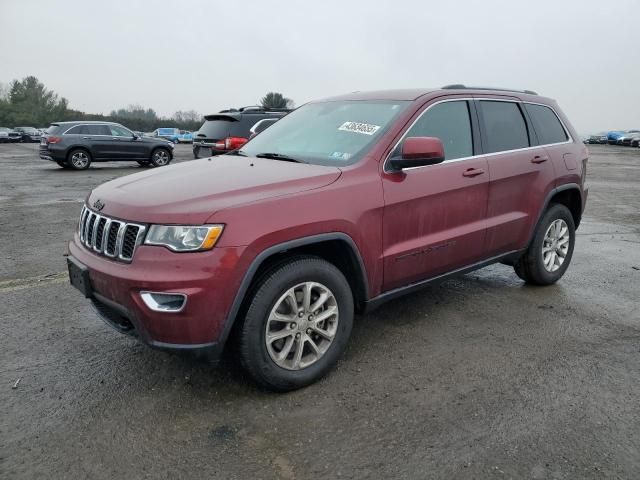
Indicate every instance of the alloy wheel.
{"type": "Point", "coordinates": [161, 158]}
{"type": "Point", "coordinates": [79, 160]}
{"type": "Point", "coordinates": [302, 326]}
{"type": "Point", "coordinates": [555, 245]}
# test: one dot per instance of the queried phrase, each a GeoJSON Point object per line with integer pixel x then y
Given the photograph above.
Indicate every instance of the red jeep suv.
{"type": "Point", "coordinates": [339, 206]}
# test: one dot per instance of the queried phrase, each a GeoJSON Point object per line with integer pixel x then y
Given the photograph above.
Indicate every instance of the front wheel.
{"type": "Point", "coordinates": [160, 157]}
{"type": "Point", "coordinates": [297, 324]}
{"type": "Point", "coordinates": [79, 159]}
{"type": "Point", "coordinates": [550, 252]}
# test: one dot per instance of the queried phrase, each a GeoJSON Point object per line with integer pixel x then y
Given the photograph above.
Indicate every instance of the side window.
{"type": "Point", "coordinates": [504, 125]}
{"type": "Point", "coordinates": [98, 130]}
{"type": "Point", "coordinates": [118, 131]}
{"type": "Point", "coordinates": [451, 123]}
{"type": "Point", "coordinates": [77, 130]}
{"type": "Point", "coordinates": [546, 124]}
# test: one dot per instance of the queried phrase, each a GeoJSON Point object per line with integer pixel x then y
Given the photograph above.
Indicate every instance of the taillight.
{"type": "Point", "coordinates": [54, 139]}
{"type": "Point", "coordinates": [230, 143]}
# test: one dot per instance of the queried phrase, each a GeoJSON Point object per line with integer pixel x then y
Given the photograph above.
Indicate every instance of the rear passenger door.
{"type": "Point", "coordinates": [99, 137]}
{"type": "Point", "coordinates": [520, 172]}
{"type": "Point", "coordinates": [555, 139]}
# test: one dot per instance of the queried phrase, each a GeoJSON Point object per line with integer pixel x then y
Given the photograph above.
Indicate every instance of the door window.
{"type": "Point", "coordinates": [97, 130]}
{"type": "Point", "coordinates": [504, 126]}
{"type": "Point", "coordinates": [118, 131]}
{"type": "Point", "coordinates": [451, 123]}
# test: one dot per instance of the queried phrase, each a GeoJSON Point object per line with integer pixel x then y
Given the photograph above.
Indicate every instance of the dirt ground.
{"type": "Point", "coordinates": [478, 377]}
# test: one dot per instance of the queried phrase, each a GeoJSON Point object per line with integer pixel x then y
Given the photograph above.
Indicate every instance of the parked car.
{"type": "Point", "coordinates": [4, 135]}
{"type": "Point", "coordinates": [9, 135]}
{"type": "Point", "coordinates": [171, 134]}
{"type": "Point", "coordinates": [28, 134]}
{"type": "Point", "coordinates": [185, 137]}
{"type": "Point", "coordinates": [76, 145]}
{"type": "Point", "coordinates": [261, 125]}
{"type": "Point", "coordinates": [597, 139]}
{"type": "Point", "coordinates": [229, 129]}
{"type": "Point", "coordinates": [628, 137]}
{"type": "Point", "coordinates": [339, 206]}
{"type": "Point", "coordinates": [613, 136]}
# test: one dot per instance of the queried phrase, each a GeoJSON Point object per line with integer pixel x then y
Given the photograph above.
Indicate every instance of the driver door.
{"type": "Point", "coordinates": [126, 145]}
{"type": "Point", "coordinates": [435, 216]}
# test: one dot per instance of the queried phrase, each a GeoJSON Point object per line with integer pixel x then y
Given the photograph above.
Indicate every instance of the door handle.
{"type": "Point", "coordinates": [115, 138]}
{"type": "Point", "coordinates": [473, 172]}
{"type": "Point", "coordinates": [539, 159]}
{"type": "Point", "coordinates": [86, 138]}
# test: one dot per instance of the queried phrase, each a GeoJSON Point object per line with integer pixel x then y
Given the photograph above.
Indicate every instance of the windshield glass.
{"type": "Point", "coordinates": [327, 133]}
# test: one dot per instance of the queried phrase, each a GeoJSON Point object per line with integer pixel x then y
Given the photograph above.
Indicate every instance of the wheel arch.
{"type": "Point", "coordinates": [79, 147]}
{"type": "Point", "coordinates": [158, 147]}
{"type": "Point", "coordinates": [569, 195]}
{"type": "Point", "coordinates": [336, 247]}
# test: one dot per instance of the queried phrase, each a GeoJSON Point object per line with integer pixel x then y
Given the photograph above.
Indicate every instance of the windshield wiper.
{"type": "Point", "coordinates": [279, 156]}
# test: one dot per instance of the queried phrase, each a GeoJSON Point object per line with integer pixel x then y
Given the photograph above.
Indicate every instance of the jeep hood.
{"type": "Point", "coordinates": [190, 192]}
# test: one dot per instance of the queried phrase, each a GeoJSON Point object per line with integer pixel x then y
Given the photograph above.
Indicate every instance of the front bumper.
{"type": "Point", "coordinates": [208, 279]}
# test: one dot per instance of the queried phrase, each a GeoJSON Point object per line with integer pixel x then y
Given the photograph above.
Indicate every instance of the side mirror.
{"type": "Point", "coordinates": [418, 152]}
{"type": "Point", "coordinates": [135, 136]}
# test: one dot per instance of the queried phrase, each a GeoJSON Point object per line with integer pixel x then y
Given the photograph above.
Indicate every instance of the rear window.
{"type": "Point", "coordinates": [57, 129]}
{"type": "Point", "coordinates": [504, 126]}
{"type": "Point", "coordinates": [216, 129]}
{"type": "Point", "coordinates": [223, 126]}
{"type": "Point", "coordinates": [546, 124]}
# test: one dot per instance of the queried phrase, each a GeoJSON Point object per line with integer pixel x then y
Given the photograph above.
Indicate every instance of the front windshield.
{"type": "Point", "coordinates": [327, 133]}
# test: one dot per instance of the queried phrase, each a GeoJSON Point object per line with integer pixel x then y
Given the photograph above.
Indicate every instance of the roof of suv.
{"type": "Point", "coordinates": [415, 93]}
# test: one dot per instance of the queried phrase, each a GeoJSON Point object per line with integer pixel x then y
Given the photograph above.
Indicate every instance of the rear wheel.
{"type": "Point", "coordinates": [297, 324]}
{"type": "Point", "coordinates": [78, 159]}
{"type": "Point", "coordinates": [160, 157]}
{"type": "Point", "coordinates": [550, 252]}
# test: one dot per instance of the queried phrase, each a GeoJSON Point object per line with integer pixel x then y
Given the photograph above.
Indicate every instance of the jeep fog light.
{"type": "Point", "coordinates": [164, 302]}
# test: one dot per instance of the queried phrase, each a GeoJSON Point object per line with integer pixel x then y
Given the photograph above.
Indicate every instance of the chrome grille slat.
{"type": "Point", "coordinates": [97, 233]}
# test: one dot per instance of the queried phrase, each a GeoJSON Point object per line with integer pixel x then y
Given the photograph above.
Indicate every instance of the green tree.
{"type": "Point", "coordinates": [28, 102]}
{"type": "Point", "coordinates": [276, 100]}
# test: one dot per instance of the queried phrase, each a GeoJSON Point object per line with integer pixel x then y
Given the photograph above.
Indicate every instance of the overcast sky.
{"type": "Point", "coordinates": [208, 55]}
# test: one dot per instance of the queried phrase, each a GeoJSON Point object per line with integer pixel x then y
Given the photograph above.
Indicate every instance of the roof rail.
{"type": "Point", "coordinates": [254, 108]}
{"type": "Point", "coordinates": [459, 86]}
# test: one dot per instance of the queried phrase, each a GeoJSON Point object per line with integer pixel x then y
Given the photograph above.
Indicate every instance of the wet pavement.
{"type": "Point", "coordinates": [479, 377]}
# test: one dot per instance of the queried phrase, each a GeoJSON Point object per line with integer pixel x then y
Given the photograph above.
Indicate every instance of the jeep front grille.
{"type": "Point", "coordinates": [106, 236]}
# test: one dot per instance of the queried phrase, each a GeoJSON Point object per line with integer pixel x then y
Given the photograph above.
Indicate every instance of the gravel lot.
{"type": "Point", "coordinates": [479, 377]}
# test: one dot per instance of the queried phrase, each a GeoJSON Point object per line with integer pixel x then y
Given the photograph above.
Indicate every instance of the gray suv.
{"type": "Point", "coordinates": [76, 144]}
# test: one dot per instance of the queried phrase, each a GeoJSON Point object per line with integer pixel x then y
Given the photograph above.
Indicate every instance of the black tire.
{"type": "Point", "coordinates": [144, 163]}
{"type": "Point", "coordinates": [62, 163]}
{"type": "Point", "coordinates": [160, 157]}
{"type": "Point", "coordinates": [531, 266]}
{"type": "Point", "coordinates": [252, 348]}
{"type": "Point", "coordinates": [79, 159]}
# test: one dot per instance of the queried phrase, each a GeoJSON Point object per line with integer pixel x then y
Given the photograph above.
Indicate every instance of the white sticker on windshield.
{"type": "Point", "coordinates": [356, 127]}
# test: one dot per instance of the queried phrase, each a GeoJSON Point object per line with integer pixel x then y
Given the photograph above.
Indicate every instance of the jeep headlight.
{"type": "Point", "coordinates": [184, 239]}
